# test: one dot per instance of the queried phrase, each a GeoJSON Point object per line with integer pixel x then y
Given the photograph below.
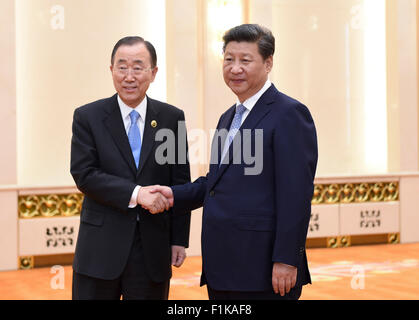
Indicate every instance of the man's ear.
{"type": "Point", "coordinates": [154, 72]}
{"type": "Point", "coordinates": [269, 62]}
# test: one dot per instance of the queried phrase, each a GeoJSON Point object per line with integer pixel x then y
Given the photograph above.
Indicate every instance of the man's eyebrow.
{"type": "Point", "coordinates": [242, 55]}
{"type": "Point", "coordinates": [135, 61]}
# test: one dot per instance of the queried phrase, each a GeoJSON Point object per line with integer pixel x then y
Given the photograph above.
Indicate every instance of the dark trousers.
{"type": "Point", "coordinates": [294, 294]}
{"type": "Point", "coordinates": [133, 284]}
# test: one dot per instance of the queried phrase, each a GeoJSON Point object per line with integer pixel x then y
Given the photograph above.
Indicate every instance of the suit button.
{"type": "Point", "coordinates": [301, 251]}
{"type": "Point", "coordinates": [212, 193]}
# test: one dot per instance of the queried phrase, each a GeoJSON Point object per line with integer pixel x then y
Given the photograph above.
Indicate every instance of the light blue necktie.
{"type": "Point", "coordinates": [134, 136]}
{"type": "Point", "coordinates": [235, 126]}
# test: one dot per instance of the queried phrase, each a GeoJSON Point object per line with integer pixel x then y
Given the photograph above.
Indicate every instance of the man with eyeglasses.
{"type": "Point", "coordinates": [122, 248]}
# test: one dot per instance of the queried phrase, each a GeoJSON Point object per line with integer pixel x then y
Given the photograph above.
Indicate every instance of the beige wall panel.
{"type": "Point", "coordinates": [184, 67]}
{"type": "Point", "coordinates": [409, 209]}
{"type": "Point", "coordinates": [407, 84]}
{"type": "Point", "coordinates": [63, 59]}
{"type": "Point", "coordinates": [324, 221]}
{"type": "Point", "coordinates": [8, 171]}
{"type": "Point", "coordinates": [369, 218]}
{"type": "Point", "coordinates": [319, 62]}
{"type": "Point", "coordinates": [45, 236]}
{"type": "Point", "coordinates": [393, 122]}
{"type": "Point", "coordinates": [8, 229]}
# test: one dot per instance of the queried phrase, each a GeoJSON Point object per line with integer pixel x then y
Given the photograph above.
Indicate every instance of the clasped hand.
{"type": "Point", "coordinates": [156, 198]}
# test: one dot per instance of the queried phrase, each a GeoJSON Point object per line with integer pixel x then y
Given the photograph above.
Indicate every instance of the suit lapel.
{"type": "Point", "coordinates": [258, 112]}
{"type": "Point", "coordinates": [115, 125]}
{"type": "Point", "coordinates": [224, 124]}
{"type": "Point", "coordinates": [149, 134]}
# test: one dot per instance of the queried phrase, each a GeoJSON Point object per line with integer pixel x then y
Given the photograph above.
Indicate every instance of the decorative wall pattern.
{"type": "Point", "coordinates": [52, 205]}
{"type": "Point", "coordinates": [68, 205]}
{"type": "Point", "coordinates": [355, 192]}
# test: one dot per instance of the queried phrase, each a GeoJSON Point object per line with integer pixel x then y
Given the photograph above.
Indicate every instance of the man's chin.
{"type": "Point", "coordinates": [130, 101]}
{"type": "Point", "coordinates": [238, 91]}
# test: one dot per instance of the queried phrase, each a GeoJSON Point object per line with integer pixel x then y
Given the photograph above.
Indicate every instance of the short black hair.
{"type": "Point", "coordinates": [130, 41]}
{"type": "Point", "coordinates": [252, 33]}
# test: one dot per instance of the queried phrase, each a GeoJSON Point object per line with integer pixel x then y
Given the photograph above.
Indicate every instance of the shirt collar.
{"type": "Point", "coordinates": [126, 110]}
{"type": "Point", "coordinates": [250, 103]}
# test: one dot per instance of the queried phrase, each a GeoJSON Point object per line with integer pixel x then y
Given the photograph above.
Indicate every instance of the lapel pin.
{"type": "Point", "coordinates": [154, 123]}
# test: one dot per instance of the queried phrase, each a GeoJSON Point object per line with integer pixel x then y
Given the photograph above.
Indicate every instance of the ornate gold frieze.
{"type": "Point", "coordinates": [53, 205]}
{"type": "Point", "coordinates": [65, 205]}
{"type": "Point", "coordinates": [355, 192]}
{"type": "Point", "coordinates": [353, 240]}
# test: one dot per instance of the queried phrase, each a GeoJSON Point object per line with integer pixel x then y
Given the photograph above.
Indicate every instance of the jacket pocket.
{"type": "Point", "coordinates": [92, 217]}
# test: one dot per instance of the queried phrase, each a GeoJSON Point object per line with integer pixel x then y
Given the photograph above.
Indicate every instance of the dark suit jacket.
{"type": "Point", "coordinates": [251, 221]}
{"type": "Point", "coordinates": [104, 170]}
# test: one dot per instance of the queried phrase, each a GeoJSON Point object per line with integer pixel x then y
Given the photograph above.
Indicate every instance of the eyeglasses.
{"type": "Point", "coordinates": [137, 70]}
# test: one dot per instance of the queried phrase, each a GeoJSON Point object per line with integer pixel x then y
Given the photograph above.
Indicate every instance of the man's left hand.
{"type": "Point", "coordinates": [178, 255]}
{"type": "Point", "coordinates": [284, 277]}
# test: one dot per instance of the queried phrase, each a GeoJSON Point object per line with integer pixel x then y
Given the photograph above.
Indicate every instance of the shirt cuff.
{"type": "Point", "coordinates": [133, 201]}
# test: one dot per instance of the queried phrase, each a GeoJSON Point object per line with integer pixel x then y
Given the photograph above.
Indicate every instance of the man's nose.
{"type": "Point", "coordinates": [236, 68]}
{"type": "Point", "coordinates": [130, 75]}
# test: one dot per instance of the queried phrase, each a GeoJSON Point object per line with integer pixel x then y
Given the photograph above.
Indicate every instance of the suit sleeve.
{"type": "Point", "coordinates": [191, 196]}
{"type": "Point", "coordinates": [180, 174]}
{"type": "Point", "coordinates": [85, 169]}
{"type": "Point", "coordinates": [295, 153]}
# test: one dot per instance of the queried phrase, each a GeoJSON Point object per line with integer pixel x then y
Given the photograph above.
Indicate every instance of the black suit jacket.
{"type": "Point", "coordinates": [104, 170]}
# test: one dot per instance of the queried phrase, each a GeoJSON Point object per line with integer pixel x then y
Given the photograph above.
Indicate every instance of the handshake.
{"type": "Point", "coordinates": [155, 198]}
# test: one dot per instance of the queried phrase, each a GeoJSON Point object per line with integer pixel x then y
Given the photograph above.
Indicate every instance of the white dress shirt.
{"type": "Point", "coordinates": [125, 111]}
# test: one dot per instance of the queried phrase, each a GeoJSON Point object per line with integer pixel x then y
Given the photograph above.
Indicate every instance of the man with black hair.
{"type": "Point", "coordinates": [254, 224]}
